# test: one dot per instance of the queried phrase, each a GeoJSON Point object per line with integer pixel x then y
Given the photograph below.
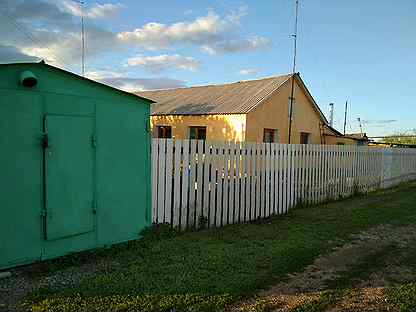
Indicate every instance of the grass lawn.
{"type": "Point", "coordinates": [211, 268]}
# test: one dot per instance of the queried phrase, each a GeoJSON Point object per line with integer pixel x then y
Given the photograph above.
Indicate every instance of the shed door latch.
{"type": "Point", "coordinates": [94, 207]}
{"type": "Point", "coordinates": [94, 140]}
{"type": "Point", "coordinates": [45, 141]}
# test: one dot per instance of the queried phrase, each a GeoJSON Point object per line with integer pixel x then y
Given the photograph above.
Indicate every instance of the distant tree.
{"type": "Point", "coordinates": [401, 138]}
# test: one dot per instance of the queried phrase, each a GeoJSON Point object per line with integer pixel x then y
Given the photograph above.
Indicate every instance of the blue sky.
{"type": "Point", "coordinates": [360, 50]}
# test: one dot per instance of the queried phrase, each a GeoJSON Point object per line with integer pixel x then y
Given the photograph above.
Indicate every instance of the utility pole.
{"type": "Point", "coordinates": [295, 36]}
{"type": "Point", "coordinates": [345, 115]}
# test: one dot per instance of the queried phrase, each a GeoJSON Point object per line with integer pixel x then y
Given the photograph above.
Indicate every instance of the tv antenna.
{"type": "Point", "coordinates": [81, 4]}
{"type": "Point", "coordinates": [295, 36]}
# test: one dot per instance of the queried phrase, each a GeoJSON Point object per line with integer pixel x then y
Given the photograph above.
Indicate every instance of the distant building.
{"type": "Point", "coordinates": [251, 111]}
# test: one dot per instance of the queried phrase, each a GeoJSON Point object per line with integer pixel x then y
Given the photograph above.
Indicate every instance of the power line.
{"type": "Point", "coordinates": [29, 36]}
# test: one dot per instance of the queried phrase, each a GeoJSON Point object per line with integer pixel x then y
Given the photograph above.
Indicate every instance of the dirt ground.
{"type": "Point", "coordinates": [354, 277]}
{"type": "Point", "coordinates": [358, 273]}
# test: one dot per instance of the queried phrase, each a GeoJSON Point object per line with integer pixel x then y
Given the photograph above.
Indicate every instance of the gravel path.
{"type": "Point", "coordinates": [25, 280]}
{"type": "Point", "coordinates": [306, 286]}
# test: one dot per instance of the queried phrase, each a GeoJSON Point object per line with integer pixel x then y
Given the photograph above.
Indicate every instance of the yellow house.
{"type": "Point", "coordinates": [251, 111]}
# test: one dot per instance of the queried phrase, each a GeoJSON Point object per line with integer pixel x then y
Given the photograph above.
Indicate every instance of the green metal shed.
{"type": "Point", "coordinates": [74, 164]}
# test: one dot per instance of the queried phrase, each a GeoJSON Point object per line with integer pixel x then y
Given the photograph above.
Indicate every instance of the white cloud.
{"type": "Point", "coordinates": [235, 17]}
{"type": "Point", "coordinates": [122, 81]}
{"type": "Point", "coordinates": [54, 31]}
{"type": "Point", "coordinates": [160, 36]}
{"type": "Point", "coordinates": [238, 45]}
{"type": "Point", "coordinates": [249, 71]}
{"type": "Point", "coordinates": [213, 33]}
{"type": "Point", "coordinates": [97, 11]}
{"type": "Point", "coordinates": [10, 54]}
{"type": "Point", "coordinates": [102, 74]}
{"type": "Point", "coordinates": [156, 64]}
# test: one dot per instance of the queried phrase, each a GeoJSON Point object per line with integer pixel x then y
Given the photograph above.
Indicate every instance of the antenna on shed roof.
{"type": "Point", "coordinates": [81, 4]}
{"type": "Point", "coordinates": [295, 36]}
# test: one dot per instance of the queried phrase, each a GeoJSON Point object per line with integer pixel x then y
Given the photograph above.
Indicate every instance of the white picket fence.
{"type": "Point", "coordinates": [197, 183]}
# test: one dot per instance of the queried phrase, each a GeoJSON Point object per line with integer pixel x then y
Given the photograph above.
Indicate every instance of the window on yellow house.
{"type": "Point", "coordinates": [164, 132]}
{"type": "Point", "coordinates": [270, 136]}
{"type": "Point", "coordinates": [197, 133]}
{"type": "Point", "coordinates": [304, 138]}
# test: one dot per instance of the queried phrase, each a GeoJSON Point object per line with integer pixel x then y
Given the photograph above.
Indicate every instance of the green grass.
{"type": "Point", "coordinates": [238, 260]}
{"type": "Point", "coordinates": [404, 297]}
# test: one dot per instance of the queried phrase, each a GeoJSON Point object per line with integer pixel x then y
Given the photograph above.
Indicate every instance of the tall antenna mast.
{"type": "Point", "coordinates": [295, 36]}
{"type": "Point", "coordinates": [361, 126]}
{"type": "Point", "coordinates": [345, 115]}
{"type": "Point", "coordinates": [82, 39]}
{"type": "Point", "coordinates": [331, 114]}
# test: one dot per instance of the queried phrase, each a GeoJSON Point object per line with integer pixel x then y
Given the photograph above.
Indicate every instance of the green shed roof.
{"type": "Point", "coordinates": [42, 63]}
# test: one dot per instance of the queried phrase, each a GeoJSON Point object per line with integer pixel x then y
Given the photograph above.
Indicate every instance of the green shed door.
{"type": "Point", "coordinates": [69, 158]}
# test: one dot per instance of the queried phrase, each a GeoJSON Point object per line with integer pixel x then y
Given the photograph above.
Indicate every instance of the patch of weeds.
{"type": "Point", "coordinates": [326, 300]}
{"type": "Point", "coordinates": [260, 305]}
{"type": "Point", "coordinates": [202, 222]}
{"type": "Point", "coordinates": [404, 297]}
{"type": "Point", "coordinates": [362, 270]}
{"type": "Point", "coordinates": [144, 303]}
{"type": "Point", "coordinates": [158, 231]}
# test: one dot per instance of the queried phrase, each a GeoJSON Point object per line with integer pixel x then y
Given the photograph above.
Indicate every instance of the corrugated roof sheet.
{"type": "Point", "coordinates": [233, 98]}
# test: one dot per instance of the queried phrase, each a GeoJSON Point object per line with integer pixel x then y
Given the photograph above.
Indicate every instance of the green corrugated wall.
{"type": "Point", "coordinates": [91, 186]}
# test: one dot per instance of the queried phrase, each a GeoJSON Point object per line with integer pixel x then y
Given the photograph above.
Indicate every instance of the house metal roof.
{"type": "Point", "coordinates": [232, 98]}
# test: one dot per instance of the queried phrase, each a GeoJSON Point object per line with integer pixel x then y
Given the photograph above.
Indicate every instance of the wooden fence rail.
{"type": "Point", "coordinates": [197, 183]}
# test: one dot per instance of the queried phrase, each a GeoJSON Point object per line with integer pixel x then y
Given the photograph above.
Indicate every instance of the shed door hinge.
{"type": "Point", "coordinates": [43, 213]}
{"type": "Point", "coordinates": [94, 207]}
{"type": "Point", "coordinates": [94, 140]}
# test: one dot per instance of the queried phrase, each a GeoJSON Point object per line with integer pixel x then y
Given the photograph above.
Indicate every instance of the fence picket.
{"type": "Point", "coordinates": [185, 183]}
{"type": "Point", "coordinates": [168, 188]}
{"type": "Point", "coordinates": [237, 182]}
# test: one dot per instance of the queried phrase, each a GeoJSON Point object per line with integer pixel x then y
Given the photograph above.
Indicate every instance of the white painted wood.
{"type": "Point", "coordinates": [206, 186]}
{"type": "Point", "coordinates": [232, 173]}
{"type": "Point", "coordinates": [253, 166]}
{"type": "Point", "coordinates": [243, 183]}
{"type": "Point", "coordinates": [267, 180]}
{"type": "Point", "coordinates": [177, 184]}
{"type": "Point", "coordinates": [155, 176]}
{"type": "Point", "coordinates": [213, 185]}
{"type": "Point", "coordinates": [272, 178]}
{"type": "Point", "coordinates": [285, 180]}
{"type": "Point", "coordinates": [226, 183]}
{"type": "Point", "coordinates": [258, 178]}
{"type": "Point", "coordinates": [248, 182]}
{"type": "Point", "coordinates": [161, 182]}
{"type": "Point", "coordinates": [199, 181]}
{"type": "Point", "coordinates": [292, 175]}
{"type": "Point", "coordinates": [237, 183]}
{"type": "Point", "coordinates": [192, 183]}
{"type": "Point", "coordinates": [169, 176]}
{"type": "Point", "coordinates": [185, 184]}
{"type": "Point", "coordinates": [220, 183]}
{"type": "Point", "coordinates": [262, 179]}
